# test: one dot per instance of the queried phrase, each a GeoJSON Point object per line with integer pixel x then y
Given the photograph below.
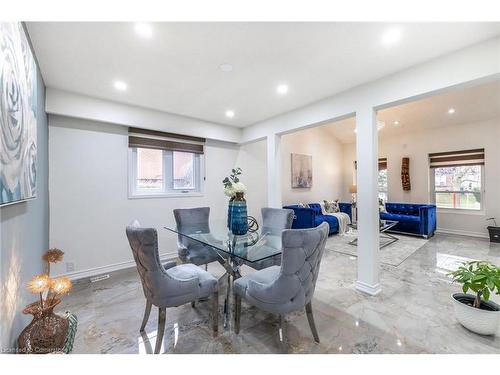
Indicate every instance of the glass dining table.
{"type": "Point", "coordinates": [232, 250]}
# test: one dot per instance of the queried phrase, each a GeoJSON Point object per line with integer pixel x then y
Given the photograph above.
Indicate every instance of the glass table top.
{"type": "Point", "coordinates": [384, 225]}
{"type": "Point", "coordinates": [251, 247]}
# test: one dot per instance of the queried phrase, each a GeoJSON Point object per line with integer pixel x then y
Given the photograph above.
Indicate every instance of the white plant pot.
{"type": "Point", "coordinates": [476, 320]}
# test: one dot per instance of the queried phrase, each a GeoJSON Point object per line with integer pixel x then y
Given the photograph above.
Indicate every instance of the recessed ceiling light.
{"type": "Point", "coordinates": [226, 67]}
{"type": "Point", "coordinates": [229, 113]}
{"type": "Point", "coordinates": [451, 111]}
{"type": "Point", "coordinates": [282, 89]}
{"type": "Point", "coordinates": [396, 123]}
{"type": "Point", "coordinates": [144, 29]}
{"type": "Point", "coordinates": [120, 85]}
{"type": "Point", "coordinates": [391, 36]}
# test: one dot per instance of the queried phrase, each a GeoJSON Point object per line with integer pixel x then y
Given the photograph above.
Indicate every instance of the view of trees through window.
{"type": "Point", "coordinates": [458, 187]}
{"type": "Point", "coordinates": [382, 184]}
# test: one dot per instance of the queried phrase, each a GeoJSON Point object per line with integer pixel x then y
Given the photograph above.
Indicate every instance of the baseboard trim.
{"type": "Point", "coordinates": [462, 233]}
{"type": "Point", "coordinates": [91, 272]}
{"type": "Point", "coordinates": [372, 290]}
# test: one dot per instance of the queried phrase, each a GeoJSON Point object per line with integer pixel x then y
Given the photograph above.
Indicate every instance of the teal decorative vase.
{"type": "Point", "coordinates": [237, 215]}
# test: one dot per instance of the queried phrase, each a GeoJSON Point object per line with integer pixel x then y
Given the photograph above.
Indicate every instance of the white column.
{"type": "Point", "coordinates": [274, 171]}
{"type": "Point", "coordinates": [368, 214]}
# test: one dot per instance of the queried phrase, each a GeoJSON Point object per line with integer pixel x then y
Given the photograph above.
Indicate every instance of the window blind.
{"type": "Point", "coordinates": [382, 164]}
{"type": "Point", "coordinates": [144, 138]}
{"type": "Point", "coordinates": [456, 158]}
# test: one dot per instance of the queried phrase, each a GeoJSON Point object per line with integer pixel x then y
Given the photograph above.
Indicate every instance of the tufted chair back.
{"type": "Point", "coordinates": [294, 285]}
{"type": "Point", "coordinates": [160, 288]}
{"type": "Point", "coordinates": [302, 253]}
{"type": "Point", "coordinates": [191, 220]}
{"type": "Point", "coordinates": [275, 220]}
{"type": "Point", "coordinates": [144, 245]}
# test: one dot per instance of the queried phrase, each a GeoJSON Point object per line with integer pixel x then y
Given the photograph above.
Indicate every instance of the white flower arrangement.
{"type": "Point", "coordinates": [229, 191]}
{"type": "Point", "coordinates": [239, 187]}
{"type": "Point", "coordinates": [232, 184]}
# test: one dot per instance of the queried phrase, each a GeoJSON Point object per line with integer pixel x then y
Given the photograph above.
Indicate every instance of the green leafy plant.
{"type": "Point", "coordinates": [481, 277]}
{"type": "Point", "coordinates": [233, 178]}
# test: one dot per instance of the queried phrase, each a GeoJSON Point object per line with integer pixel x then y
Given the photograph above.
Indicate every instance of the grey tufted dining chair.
{"type": "Point", "coordinates": [194, 220]}
{"type": "Point", "coordinates": [274, 221]}
{"type": "Point", "coordinates": [282, 290]}
{"type": "Point", "coordinates": [169, 285]}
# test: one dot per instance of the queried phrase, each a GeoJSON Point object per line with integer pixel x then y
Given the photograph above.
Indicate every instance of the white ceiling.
{"type": "Point", "coordinates": [177, 69]}
{"type": "Point", "coordinates": [472, 104]}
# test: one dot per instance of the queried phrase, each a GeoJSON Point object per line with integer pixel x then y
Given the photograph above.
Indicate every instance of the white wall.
{"type": "Point", "coordinates": [417, 145]}
{"type": "Point", "coordinates": [252, 159]}
{"type": "Point", "coordinates": [64, 103]}
{"type": "Point", "coordinates": [89, 205]}
{"type": "Point", "coordinates": [326, 152]}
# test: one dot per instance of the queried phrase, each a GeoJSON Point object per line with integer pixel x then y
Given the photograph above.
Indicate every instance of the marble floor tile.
{"type": "Point", "coordinates": [413, 314]}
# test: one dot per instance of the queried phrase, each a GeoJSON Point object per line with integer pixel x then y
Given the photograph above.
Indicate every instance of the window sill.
{"type": "Point", "coordinates": [454, 211]}
{"type": "Point", "coordinates": [165, 195]}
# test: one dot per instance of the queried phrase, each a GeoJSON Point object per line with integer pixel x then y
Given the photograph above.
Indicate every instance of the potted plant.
{"type": "Point", "coordinates": [476, 312]}
{"type": "Point", "coordinates": [493, 230]}
{"type": "Point", "coordinates": [48, 331]}
{"type": "Point", "coordinates": [237, 209]}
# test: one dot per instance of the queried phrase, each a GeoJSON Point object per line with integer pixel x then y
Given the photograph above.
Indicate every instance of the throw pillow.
{"type": "Point", "coordinates": [301, 205]}
{"type": "Point", "coordinates": [381, 205]}
{"type": "Point", "coordinates": [331, 206]}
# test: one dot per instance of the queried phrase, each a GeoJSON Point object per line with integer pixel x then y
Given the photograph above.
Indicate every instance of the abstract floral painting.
{"type": "Point", "coordinates": [18, 138]}
{"type": "Point", "coordinates": [301, 171]}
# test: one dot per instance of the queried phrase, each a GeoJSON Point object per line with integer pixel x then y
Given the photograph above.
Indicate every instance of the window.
{"type": "Point", "coordinates": [457, 179]}
{"type": "Point", "coordinates": [163, 172]}
{"type": "Point", "coordinates": [183, 170]}
{"type": "Point", "coordinates": [149, 170]}
{"type": "Point", "coordinates": [458, 187]}
{"type": "Point", "coordinates": [382, 184]}
{"type": "Point", "coordinates": [382, 178]}
{"type": "Point", "coordinates": [162, 164]}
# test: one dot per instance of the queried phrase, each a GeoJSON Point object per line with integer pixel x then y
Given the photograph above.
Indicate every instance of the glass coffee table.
{"type": "Point", "coordinates": [384, 226]}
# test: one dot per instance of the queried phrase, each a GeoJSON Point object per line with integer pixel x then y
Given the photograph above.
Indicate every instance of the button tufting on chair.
{"type": "Point", "coordinates": [288, 288]}
{"type": "Point", "coordinates": [169, 285]}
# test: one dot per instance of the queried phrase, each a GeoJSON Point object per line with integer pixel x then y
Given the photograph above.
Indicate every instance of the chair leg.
{"type": "Point", "coordinates": [282, 329]}
{"type": "Point", "coordinates": [237, 313]}
{"type": "Point", "coordinates": [310, 318]}
{"type": "Point", "coordinates": [215, 312]}
{"type": "Point", "coordinates": [162, 315]}
{"type": "Point", "coordinates": [146, 316]}
{"type": "Point", "coordinates": [206, 266]}
{"type": "Point", "coordinates": [193, 304]}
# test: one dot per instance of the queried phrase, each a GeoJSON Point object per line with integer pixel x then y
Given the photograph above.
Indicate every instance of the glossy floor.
{"type": "Point", "coordinates": [413, 314]}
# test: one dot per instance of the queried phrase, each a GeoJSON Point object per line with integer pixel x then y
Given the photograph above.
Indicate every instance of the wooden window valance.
{"type": "Point", "coordinates": [144, 138]}
{"type": "Point", "coordinates": [382, 164]}
{"type": "Point", "coordinates": [456, 158]}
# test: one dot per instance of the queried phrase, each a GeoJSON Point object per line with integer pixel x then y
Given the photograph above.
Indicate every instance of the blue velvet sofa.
{"type": "Point", "coordinates": [418, 219]}
{"type": "Point", "coordinates": [311, 217]}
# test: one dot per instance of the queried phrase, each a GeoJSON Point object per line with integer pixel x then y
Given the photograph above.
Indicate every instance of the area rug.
{"type": "Point", "coordinates": [393, 254]}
